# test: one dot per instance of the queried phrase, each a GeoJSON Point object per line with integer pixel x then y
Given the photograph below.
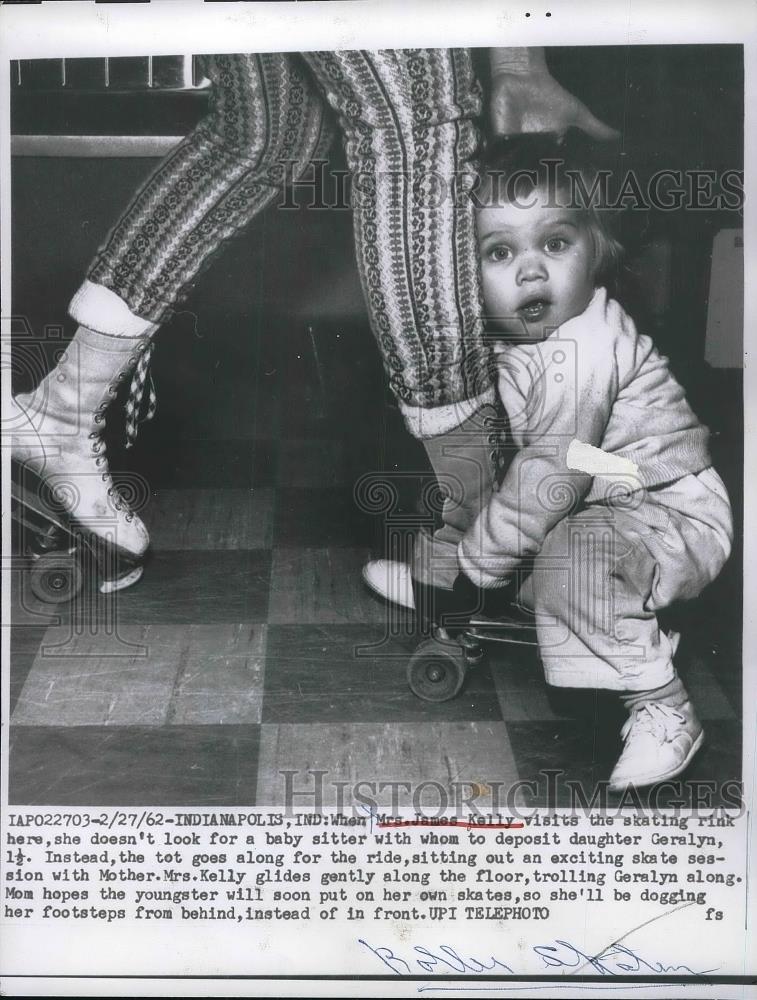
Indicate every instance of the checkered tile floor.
{"type": "Point", "coordinates": [251, 649]}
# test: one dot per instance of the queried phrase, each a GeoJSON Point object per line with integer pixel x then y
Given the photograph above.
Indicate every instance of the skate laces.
{"type": "Point", "coordinates": [656, 719]}
{"type": "Point", "coordinates": [141, 379]}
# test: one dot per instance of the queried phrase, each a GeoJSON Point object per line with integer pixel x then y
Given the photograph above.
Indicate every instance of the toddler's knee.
{"type": "Point", "coordinates": [574, 578]}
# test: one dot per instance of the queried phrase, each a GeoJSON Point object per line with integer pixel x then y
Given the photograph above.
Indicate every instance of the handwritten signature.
{"type": "Point", "coordinates": [445, 960]}
{"type": "Point", "coordinates": [616, 960]}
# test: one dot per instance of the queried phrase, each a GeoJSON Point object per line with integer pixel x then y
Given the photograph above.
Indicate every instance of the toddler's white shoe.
{"type": "Point", "coordinates": [391, 580]}
{"type": "Point", "coordinates": [660, 742]}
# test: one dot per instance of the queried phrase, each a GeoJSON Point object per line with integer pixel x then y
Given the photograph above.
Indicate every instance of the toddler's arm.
{"type": "Point", "coordinates": [556, 392]}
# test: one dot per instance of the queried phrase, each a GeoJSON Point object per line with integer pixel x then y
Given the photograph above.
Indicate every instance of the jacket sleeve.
{"type": "Point", "coordinates": [558, 394]}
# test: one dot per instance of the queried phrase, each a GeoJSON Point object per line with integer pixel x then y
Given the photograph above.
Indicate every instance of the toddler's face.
{"type": "Point", "coordinates": [537, 266]}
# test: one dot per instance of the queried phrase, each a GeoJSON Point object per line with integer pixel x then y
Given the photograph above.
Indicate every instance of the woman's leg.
{"type": "Point", "coordinates": [264, 120]}
{"type": "Point", "coordinates": [409, 121]}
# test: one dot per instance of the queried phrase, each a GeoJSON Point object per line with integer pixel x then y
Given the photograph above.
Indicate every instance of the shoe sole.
{"type": "Point", "coordinates": [673, 773]}
{"type": "Point", "coordinates": [380, 593]}
{"type": "Point", "coordinates": [121, 582]}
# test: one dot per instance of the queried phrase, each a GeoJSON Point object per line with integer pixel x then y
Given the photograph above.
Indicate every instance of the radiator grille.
{"type": "Point", "coordinates": [119, 74]}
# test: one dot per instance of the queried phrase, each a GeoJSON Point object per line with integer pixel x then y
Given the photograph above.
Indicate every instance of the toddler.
{"type": "Point", "coordinates": [611, 509]}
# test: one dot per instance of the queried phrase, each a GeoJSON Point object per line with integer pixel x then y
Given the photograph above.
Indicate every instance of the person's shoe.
{"type": "Point", "coordinates": [57, 433]}
{"type": "Point", "coordinates": [390, 580]}
{"type": "Point", "coordinates": [660, 742]}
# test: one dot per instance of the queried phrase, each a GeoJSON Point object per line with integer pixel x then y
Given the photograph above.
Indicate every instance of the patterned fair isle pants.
{"type": "Point", "coordinates": [408, 122]}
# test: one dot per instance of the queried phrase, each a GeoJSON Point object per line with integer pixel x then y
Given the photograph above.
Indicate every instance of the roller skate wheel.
{"type": "Point", "coordinates": [436, 671]}
{"type": "Point", "coordinates": [56, 577]}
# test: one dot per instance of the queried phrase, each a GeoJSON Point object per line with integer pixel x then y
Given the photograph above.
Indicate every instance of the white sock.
{"type": "Point", "coordinates": [673, 693]}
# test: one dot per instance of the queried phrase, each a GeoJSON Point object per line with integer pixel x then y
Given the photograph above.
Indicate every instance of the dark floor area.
{"type": "Point", "coordinates": [251, 647]}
